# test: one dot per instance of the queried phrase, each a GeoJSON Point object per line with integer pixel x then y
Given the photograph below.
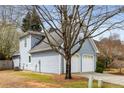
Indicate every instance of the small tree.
{"type": "Point", "coordinates": [31, 21]}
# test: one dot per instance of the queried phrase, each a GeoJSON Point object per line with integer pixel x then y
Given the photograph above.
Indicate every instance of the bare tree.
{"type": "Point", "coordinates": [111, 48]}
{"type": "Point", "coordinates": [70, 21]}
{"type": "Point", "coordinates": [10, 19]}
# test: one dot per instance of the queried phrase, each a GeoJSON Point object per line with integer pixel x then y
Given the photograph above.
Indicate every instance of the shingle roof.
{"type": "Point", "coordinates": [43, 46]}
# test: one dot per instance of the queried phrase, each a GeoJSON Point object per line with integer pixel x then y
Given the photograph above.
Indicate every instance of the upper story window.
{"type": "Point", "coordinates": [25, 43]}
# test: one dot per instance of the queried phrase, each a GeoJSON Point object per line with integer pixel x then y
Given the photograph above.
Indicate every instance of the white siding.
{"type": "Point", "coordinates": [24, 52]}
{"type": "Point", "coordinates": [49, 62]}
{"type": "Point", "coordinates": [16, 61]}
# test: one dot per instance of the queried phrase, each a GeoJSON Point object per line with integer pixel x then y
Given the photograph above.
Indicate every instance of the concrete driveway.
{"type": "Point", "coordinates": [115, 79]}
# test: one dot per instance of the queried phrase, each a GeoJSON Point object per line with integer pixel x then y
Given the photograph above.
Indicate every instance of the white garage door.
{"type": "Point", "coordinates": [75, 64]}
{"type": "Point", "coordinates": [87, 63]}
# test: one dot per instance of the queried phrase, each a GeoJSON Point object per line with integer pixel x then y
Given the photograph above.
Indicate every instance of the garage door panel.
{"type": "Point", "coordinates": [87, 63]}
{"type": "Point", "coordinates": [75, 64]}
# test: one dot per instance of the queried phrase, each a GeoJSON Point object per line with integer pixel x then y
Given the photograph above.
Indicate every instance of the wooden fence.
{"type": "Point", "coordinates": [6, 64]}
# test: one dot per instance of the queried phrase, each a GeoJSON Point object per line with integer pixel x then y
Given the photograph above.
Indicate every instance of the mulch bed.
{"type": "Point", "coordinates": [61, 78]}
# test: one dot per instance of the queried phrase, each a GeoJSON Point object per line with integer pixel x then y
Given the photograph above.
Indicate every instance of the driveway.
{"type": "Point", "coordinates": [115, 79]}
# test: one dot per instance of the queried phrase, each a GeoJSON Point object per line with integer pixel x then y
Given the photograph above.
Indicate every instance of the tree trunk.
{"type": "Point", "coordinates": [68, 68]}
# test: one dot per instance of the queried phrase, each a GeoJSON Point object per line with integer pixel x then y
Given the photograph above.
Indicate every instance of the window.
{"type": "Point", "coordinates": [25, 44]}
{"type": "Point", "coordinates": [29, 59]}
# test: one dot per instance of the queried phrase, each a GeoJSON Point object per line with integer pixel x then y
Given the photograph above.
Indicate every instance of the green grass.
{"type": "Point", "coordinates": [83, 84]}
{"type": "Point", "coordinates": [76, 84]}
{"type": "Point", "coordinates": [66, 84]}
{"type": "Point", "coordinates": [36, 76]}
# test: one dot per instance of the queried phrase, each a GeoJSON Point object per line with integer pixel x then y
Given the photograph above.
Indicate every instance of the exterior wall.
{"type": "Point", "coordinates": [16, 61]}
{"type": "Point", "coordinates": [50, 62]}
{"type": "Point", "coordinates": [24, 52]}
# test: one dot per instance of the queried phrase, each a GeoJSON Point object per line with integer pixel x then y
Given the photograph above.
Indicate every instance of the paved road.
{"type": "Point", "coordinates": [115, 79]}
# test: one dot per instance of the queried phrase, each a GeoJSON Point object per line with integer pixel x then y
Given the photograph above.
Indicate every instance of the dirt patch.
{"type": "Point", "coordinates": [42, 85]}
{"type": "Point", "coordinates": [12, 79]}
{"type": "Point", "coordinates": [61, 78]}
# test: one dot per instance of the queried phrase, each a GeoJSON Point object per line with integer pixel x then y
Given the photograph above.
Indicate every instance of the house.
{"type": "Point", "coordinates": [35, 55]}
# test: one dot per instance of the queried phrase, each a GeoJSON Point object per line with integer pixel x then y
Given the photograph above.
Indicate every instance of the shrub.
{"type": "Point", "coordinates": [100, 66]}
{"type": "Point", "coordinates": [99, 70]}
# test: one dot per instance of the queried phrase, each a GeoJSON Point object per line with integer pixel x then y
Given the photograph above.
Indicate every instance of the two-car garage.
{"type": "Point", "coordinates": [82, 64]}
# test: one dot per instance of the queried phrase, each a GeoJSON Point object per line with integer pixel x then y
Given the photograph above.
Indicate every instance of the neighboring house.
{"type": "Point", "coordinates": [35, 55]}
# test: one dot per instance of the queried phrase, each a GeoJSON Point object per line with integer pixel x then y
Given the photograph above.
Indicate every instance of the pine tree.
{"type": "Point", "coordinates": [26, 22]}
{"type": "Point", "coordinates": [35, 21]}
{"type": "Point", "coordinates": [32, 21]}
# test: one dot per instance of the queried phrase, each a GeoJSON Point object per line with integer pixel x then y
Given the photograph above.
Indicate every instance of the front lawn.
{"type": "Point", "coordinates": [49, 80]}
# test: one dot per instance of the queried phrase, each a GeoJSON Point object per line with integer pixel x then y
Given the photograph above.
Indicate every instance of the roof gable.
{"type": "Point", "coordinates": [44, 46]}
{"type": "Point", "coordinates": [94, 45]}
